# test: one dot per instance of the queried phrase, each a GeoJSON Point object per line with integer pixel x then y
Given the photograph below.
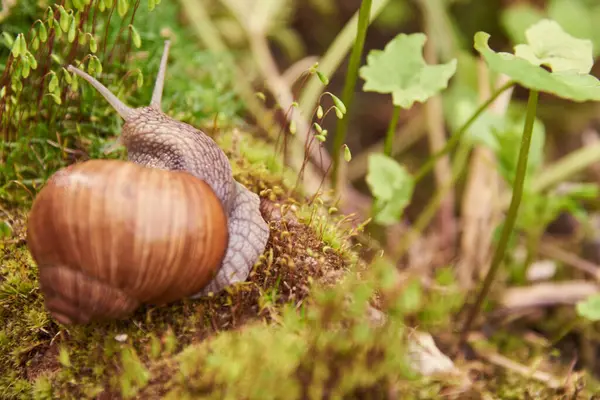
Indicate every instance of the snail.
{"type": "Point", "coordinates": [169, 222]}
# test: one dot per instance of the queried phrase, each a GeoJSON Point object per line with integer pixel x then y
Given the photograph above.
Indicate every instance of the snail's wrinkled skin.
{"type": "Point", "coordinates": [154, 139]}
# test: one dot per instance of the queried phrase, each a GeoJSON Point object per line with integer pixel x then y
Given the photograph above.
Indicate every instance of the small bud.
{"type": "Point", "coordinates": [16, 47]}
{"type": "Point", "coordinates": [72, 30]}
{"type": "Point", "coordinates": [42, 33]}
{"type": "Point", "coordinates": [23, 44]}
{"type": "Point", "coordinates": [321, 138]}
{"type": "Point", "coordinates": [56, 98]}
{"type": "Point", "coordinates": [317, 127]}
{"type": "Point", "coordinates": [319, 112]}
{"type": "Point", "coordinates": [64, 19]}
{"type": "Point", "coordinates": [53, 84]}
{"type": "Point", "coordinates": [67, 76]}
{"type": "Point", "coordinates": [140, 78]}
{"type": "Point", "coordinates": [338, 103]}
{"type": "Point", "coordinates": [122, 7]}
{"type": "Point", "coordinates": [293, 127]}
{"type": "Point", "coordinates": [135, 36]}
{"type": "Point", "coordinates": [26, 68]}
{"type": "Point", "coordinates": [93, 44]}
{"type": "Point", "coordinates": [323, 78]}
{"type": "Point", "coordinates": [50, 17]}
{"type": "Point", "coordinates": [347, 154]}
{"type": "Point", "coordinates": [32, 61]}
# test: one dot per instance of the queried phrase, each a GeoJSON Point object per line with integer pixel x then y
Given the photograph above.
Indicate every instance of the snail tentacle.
{"type": "Point", "coordinates": [121, 108]}
{"type": "Point", "coordinates": [160, 78]}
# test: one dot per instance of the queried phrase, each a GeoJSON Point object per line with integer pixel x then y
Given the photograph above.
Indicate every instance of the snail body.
{"type": "Point", "coordinates": [168, 223]}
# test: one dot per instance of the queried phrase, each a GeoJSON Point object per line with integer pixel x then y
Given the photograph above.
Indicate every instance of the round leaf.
{"type": "Point", "coordinates": [566, 84]}
{"type": "Point", "coordinates": [400, 69]}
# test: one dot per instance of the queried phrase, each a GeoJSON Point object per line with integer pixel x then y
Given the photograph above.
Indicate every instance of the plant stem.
{"type": "Point", "coordinates": [511, 216]}
{"type": "Point", "coordinates": [351, 77]}
{"type": "Point", "coordinates": [333, 57]}
{"type": "Point", "coordinates": [454, 139]}
{"type": "Point", "coordinates": [391, 132]}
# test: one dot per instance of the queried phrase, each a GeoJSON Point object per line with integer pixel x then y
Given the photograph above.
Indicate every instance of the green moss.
{"type": "Point", "coordinates": [115, 357]}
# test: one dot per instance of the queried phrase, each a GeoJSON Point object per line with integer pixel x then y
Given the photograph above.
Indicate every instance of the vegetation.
{"type": "Point", "coordinates": [459, 199]}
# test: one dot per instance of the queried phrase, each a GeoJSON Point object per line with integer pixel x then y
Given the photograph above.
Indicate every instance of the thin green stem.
{"type": "Point", "coordinates": [391, 132]}
{"type": "Point", "coordinates": [455, 139]}
{"type": "Point", "coordinates": [511, 216]}
{"type": "Point", "coordinates": [349, 85]}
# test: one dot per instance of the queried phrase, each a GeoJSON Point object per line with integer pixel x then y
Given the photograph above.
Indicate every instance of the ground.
{"type": "Point", "coordinates": [297, 255]}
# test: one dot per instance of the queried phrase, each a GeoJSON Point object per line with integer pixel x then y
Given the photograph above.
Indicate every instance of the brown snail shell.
{"type": "Point", "coordinates": [110, 235]}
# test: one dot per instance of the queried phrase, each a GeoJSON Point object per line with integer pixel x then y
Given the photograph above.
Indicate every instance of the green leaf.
{"type": "Point", "coordinates": [548, 44]}
{"type": "Point", "coordinates": [391, 185]}
{"type": "Point", "coordinates": [400, 69]}
{"type": "Point", "coordinates": [590, 308]}
{"type": "Point", "coordinates": [566, 84]}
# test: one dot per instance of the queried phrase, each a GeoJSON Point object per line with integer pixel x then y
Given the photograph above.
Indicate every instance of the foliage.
{"type": "Point", "coordinates": [570, 84]}
{"type": "Point", "coordinates": [302, 315]}
{"type": "Point", "coordinates": [400, 69]}
{"type": "Point", "coordinates": [49, 119]}
{"type": "Point", "coordinates": [550, 46]}
{"type": "Point", "coordinates": [392, 188]}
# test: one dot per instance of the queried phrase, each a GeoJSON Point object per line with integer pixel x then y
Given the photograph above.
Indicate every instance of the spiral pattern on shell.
{"type": "Point", "coordinates": [110, 235]}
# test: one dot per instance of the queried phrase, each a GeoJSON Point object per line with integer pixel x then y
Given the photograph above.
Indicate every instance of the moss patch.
{"type": "Point", "coordinates": [83, 361]}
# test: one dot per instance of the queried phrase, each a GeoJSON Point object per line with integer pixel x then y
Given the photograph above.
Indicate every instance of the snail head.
{"type": "Point", "coordinates": [122, 109]}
